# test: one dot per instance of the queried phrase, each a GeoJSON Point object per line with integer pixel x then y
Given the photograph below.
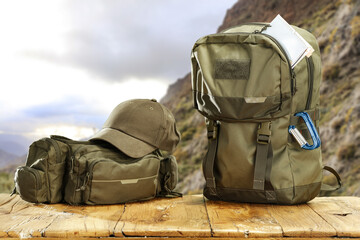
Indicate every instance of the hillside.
{"type": "Point", "coordinates": [336, 25]}
{"type": "Point", "coordinates": [6, 158]}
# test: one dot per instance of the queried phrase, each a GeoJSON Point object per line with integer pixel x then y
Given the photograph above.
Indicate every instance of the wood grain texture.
{"type": "Point", "coordinates": [241, 220]}
{"type": "Point", "coordinates": [180, 238]}
{"type": "Point", "coordinates": [6, 207]}
{"type": "Point", "coordinates": [24, 219]}
{"type": "Point", "coordinates": [343, 213]}
{"type": "Point", "coordinates": [85, 221]}
{"type": "Point", "coordinates": [300, 221]}
{"type": "Point", "coordinates": [186, 217]}
{"type": "Point", "coordinates": [176, 217]}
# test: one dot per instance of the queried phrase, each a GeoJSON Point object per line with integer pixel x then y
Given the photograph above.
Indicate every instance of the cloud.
{"type": "Point", "coordinates": [72, 99]}
{"type": "Point", "coordinates": [119, 39]}
{"type": "Point", "coordinates": [66, 64]}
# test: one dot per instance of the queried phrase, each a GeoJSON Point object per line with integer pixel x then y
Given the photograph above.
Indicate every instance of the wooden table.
{"type": "Point", "coordinates": [189, 216]}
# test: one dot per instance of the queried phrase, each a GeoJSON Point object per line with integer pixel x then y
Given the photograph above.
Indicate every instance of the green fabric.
{"type": "Point", "coordinates": [83, 172]}
{"type": "Point", "coordinates": [98, 173]}
{"type": "Point", "coordinates": [40, 180]}
{"type": "Point", "coordinates": [265, 90]}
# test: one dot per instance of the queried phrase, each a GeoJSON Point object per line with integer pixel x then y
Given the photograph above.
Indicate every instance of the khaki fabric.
{"type": "Point", "coordinates": [242, 80]}
{"type": "Point", "coordinates": [81, 172]}
{"type": "Point", "coordinates": [41, 179]}
{"type": "Point", "coordinates": [137, 127]}
{"type": "Point", "coordinates": [101, 174]}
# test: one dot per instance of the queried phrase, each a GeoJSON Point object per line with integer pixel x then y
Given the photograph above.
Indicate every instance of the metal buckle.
{"type": "Point", "coordinates": [312, 130]}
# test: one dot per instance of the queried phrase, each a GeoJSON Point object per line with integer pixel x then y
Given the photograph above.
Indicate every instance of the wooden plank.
{"type": "Point", "coordinates": [175, 217]}
{"type": "Point", "coordinates": [241, 220]}
{"type": "Point", "coordinates": [18, 218]}
{"type": "Point", "coordinates": [85, 221]}
{"type": "Point", "coordinates": [5, 197]}
{"type": "Point", "coordinates": [22, 219]}
{"type": "Point", "coordinates": [6, 205]}
{"type": "Point", "coordinates": [7, 217]}
{"type": "Point", "coordinates": [300, 221]}
{"type": "Point", "coordinates": [30, 220]}
{"type": "Point", "coordinates": [343, 213]}
{"type": "Point", "coordinates": [179, 238]}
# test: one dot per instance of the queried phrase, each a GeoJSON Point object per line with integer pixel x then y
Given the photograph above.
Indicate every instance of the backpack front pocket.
{"type": "Point", "coordinates": [240, 77]}
{"type": "Point", "coordinates": [110, 182]}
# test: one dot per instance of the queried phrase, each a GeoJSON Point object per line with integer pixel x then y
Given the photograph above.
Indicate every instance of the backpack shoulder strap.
{"type": "Point", "coordinates": [327, 187]}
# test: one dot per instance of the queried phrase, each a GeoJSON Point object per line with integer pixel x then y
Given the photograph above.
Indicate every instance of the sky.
{"type": "Point", "coordinates": [64, 65]}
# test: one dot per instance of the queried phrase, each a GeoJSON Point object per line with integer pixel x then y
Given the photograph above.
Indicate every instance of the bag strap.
{"type": "Point", "coordinates": [209, 160]}
{"type": "Point", "coordinates": [328, 188]}
{"type": "Point", "coordinates": [172, 194]}
{"type": "Point", "coordinates": [166, 192]}
{"type": "Point", "coordinates": [263, 162]}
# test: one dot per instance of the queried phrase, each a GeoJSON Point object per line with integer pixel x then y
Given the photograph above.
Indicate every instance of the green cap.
{"type": "Point", "coordinates": [139, 126]}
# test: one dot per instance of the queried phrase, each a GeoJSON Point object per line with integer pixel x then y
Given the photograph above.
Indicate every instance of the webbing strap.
{"type": "Point", "coordinates": [263, 162]}
{"type": "Point", "coordinates": [260, 166]}
{"type": "Point", "coordinates": [328, 188]}
{"type": "Point", "coordinates": [262, 149]}
{"type": "Point", "coordinates": [209, 160]}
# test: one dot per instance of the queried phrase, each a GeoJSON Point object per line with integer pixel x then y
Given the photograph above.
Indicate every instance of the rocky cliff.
{"type": "Point", "coordinates": [336, 24]}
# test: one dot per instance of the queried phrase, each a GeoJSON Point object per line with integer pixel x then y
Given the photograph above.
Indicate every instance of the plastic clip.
{"type": "Point", "coordinates": [312, 130]}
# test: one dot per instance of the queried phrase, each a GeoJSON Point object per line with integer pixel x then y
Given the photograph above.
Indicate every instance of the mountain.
{"type": "Point", "coordinates": [14, 144]}
{"type": "Point", "coordinates": [6, 158]}
{"type": "Point", "coordinates": [336, 25]}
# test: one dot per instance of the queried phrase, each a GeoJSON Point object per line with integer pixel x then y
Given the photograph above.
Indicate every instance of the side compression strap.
{"type": "Point", "coordinates": [209, 160]}
{"type": "Point", "coordinates": [328, 188]}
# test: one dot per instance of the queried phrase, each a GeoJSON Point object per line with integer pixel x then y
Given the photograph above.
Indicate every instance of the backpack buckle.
{"type": "Point", "coordinates": [312, 130]}
{"type": "Point", "coordinates": [264, 133]}
{"type": "Point", "coordinates": [212, 127]}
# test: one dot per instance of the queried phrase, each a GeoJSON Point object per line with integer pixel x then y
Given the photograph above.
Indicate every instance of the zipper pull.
{"type": "Point", "coordinates": [262, 29]}
{"type": "Point", "coordinates": [72, 165]}
{"type": "Point", "coordinates": [86, 181]}
{"type": "Point", "coordinates": [71, 172]}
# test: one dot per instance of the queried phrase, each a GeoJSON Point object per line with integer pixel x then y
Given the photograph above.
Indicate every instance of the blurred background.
{"type": "Point", "coordinates": [66, 64]}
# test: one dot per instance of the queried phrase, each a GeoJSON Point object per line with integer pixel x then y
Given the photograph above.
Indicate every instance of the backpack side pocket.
{"type": "Point", "coordinates": [41, 179]}
{"type": "Point", "coordinates": [30, 184]}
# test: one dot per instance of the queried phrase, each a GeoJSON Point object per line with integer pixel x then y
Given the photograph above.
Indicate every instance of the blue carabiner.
{"type": "Point", "coordinates": [312, 130]}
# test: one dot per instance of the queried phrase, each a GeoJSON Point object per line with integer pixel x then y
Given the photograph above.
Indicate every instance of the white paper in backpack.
{"type": "Point", "coordinates": [295, 46]}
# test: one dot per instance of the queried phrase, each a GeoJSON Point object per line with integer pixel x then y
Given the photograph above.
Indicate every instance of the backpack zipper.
{"type": "Point", "coordinates": [251, 23]}
{"type": "Point", "coordinates": [310, 67]}
{"type": "Point", "coordinates": [292, 72]}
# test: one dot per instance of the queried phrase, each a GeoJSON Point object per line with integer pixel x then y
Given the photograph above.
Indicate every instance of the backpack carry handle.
{"type": "Point", "coordinates": [312, 130]}
{"type": "Point", "coordinates": [328, 188]}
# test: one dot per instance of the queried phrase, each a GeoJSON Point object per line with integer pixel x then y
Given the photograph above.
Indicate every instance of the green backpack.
{"type": "Point", "coordinates": [89, 172]}
{"type": "Point", "coordinates": [245, 87]}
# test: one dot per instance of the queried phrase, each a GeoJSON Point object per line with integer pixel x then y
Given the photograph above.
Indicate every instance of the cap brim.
{"type": "Point", "coordinates": [129, 145]}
